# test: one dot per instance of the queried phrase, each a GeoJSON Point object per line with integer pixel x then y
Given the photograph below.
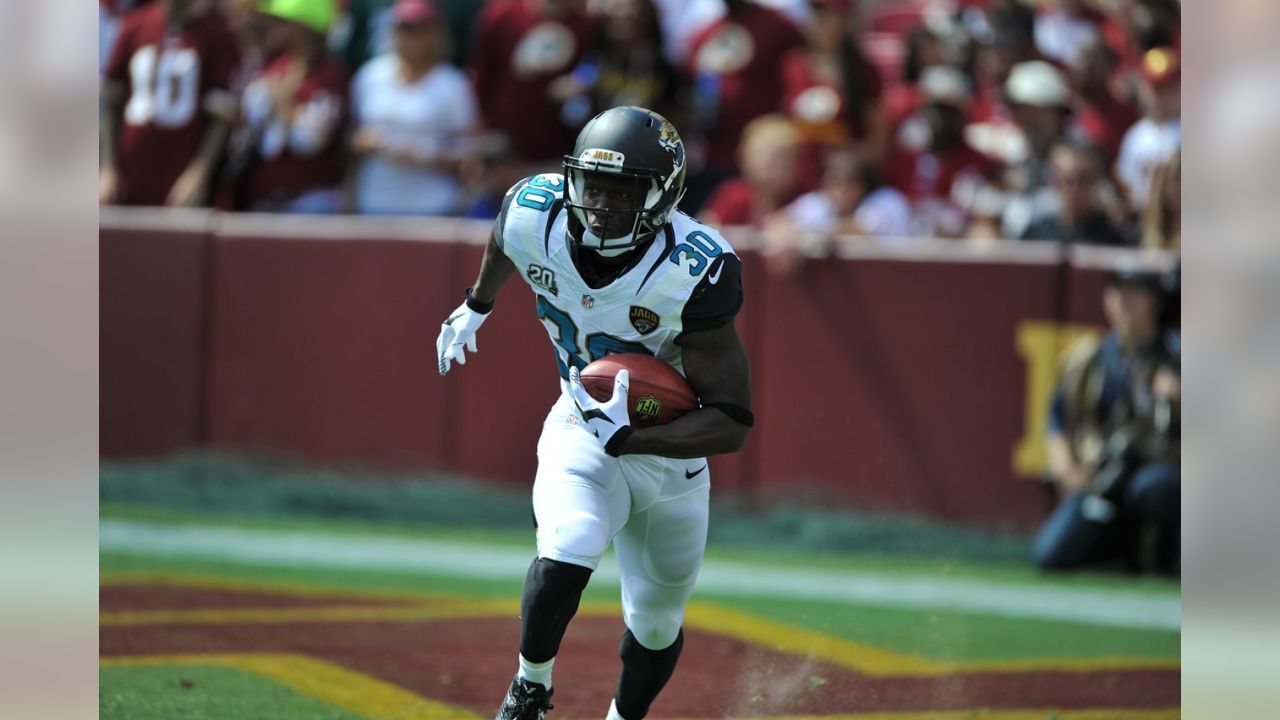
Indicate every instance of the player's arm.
{"type": "Point", "coordinates": [716, 366]}
{"type": "Point", "coordinates": [192, 186]}
{"type": "Point", "coordinates": [495, 269]}
{"type": "Point", "coordinates": [458, 331]}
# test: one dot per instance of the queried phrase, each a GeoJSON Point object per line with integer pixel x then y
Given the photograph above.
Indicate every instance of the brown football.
{"type": "Point", "coordinates": [658, 394]}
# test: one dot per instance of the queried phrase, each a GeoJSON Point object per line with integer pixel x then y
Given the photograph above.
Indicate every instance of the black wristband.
{"type": "Point", "coordinates": [477, 306]}
{"type": "Point", "coordinates": [613, 448]}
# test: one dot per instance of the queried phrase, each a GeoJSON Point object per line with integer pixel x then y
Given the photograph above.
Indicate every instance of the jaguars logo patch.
{"type": "Point", "coordinates": [669, 139]}
{"type": "Point", "coordinates": [648, 407]}
{"type": "Point", "coordinates": [643, 319]}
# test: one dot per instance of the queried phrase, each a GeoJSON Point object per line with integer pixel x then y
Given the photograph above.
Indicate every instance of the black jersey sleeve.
{"type": "Point", "coordinates": [500, 225]}
{"type": "Point", "coordinates": [717, 298]}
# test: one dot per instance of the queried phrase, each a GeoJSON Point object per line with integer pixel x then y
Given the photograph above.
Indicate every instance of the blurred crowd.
{"type": "Point", "coordinates": [966, 119]}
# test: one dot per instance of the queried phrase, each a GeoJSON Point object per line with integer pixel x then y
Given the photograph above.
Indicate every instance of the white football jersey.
{"type": "Point", "coordinates": [687, 279]}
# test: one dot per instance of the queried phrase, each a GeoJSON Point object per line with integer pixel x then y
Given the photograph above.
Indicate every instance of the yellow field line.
{"type": "Point", "coordinates": [771, 634]}
{"type": "Point", "coordinates": [883, 663]}
{"type": "Point", "coordinates": [215, 582]}
{"type": "Point", "coordinates": [707, 617]}
{"type": "Point", "coordinates": [352, 691]}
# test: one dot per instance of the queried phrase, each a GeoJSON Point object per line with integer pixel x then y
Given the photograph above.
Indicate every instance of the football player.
{"type": "Point", "coordinates": [615, 268]}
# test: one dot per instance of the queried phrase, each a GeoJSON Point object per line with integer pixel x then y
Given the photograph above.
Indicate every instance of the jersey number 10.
{"type": "Point", "coordinates": [165, 86]}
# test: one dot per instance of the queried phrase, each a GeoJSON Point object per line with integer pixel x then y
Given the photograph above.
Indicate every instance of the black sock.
{"type": "Point", "coordinates": [644, 673]}
{"type": "Point", "coordinates": [552, 590]}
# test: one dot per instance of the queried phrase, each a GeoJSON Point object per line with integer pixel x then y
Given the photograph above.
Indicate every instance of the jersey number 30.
{"type": "Point", "coordinates": [566, 337]}
{"type": "Point", "coordinates": [698, 247]}
{"type": "Point", "coordinates": [531, 197]}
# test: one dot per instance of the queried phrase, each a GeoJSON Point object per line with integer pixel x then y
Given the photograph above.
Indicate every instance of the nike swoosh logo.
{"type": "Point", "coordinates": [690, 475]}
{"type": "Point", "coordinates": [451, 318]}
{"type": "Point", "coordinates": [713, 278]}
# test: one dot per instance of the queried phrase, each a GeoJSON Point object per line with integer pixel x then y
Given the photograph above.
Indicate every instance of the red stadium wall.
{"type": "Point", "coordinates": [909, 382]}
{"type": "Point", "coordinates": [151, 313]}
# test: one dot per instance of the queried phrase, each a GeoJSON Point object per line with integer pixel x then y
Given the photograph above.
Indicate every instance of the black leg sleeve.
{"type": "Point", "coordinates": [644, 673]}
{"type": "Point", "coordinates": [552, 590]}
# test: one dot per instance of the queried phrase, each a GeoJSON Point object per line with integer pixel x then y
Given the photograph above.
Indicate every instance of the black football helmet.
{"type": "Point", "coordinates": [625, 143]}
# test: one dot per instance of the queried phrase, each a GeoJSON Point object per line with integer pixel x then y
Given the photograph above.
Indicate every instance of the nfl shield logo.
{"type": "Point", "coordinates": [648, 408]}
{"type": "Point", "coordinates": [588, 302]}
{"type": "Point", "coordinates": [643, 319]}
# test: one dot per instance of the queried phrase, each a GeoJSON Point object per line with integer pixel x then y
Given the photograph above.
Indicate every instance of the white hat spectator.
{"type": "Point", "coordinates": [944, 84]}
{"type": "Point", "coordinates": [1038, 84]}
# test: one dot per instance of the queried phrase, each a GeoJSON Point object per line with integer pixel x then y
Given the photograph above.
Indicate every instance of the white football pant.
{"type": "Point", "coordinates": [649, 507]}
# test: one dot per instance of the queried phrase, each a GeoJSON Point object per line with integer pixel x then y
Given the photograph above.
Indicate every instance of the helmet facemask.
{"type": "Point", "coordinates": [606, 227]}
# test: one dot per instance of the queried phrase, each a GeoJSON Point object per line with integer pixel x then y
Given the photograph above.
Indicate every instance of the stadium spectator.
{"type": "Point", "coordinates": [1135, 27]}
{"type": "Point", "coordinates": [363, 31]}
{"type": "Point", "coordinates": [520, 48]}
{"type": "Point", "coordinates": [415, 121]}
{"type": "Point", "coordinates": [366, 29]}
{"type": "Point", "coordinates": [1162, 220]}
{"type": "Point", "coordinates": [948, 34]}
{"type": "Point", "coordinates": [250, 30]}
{"type": "Point", "coordinates": [1040, 99]}
{"type": "Point", "coordinates": [1154, 139]}
{"type": "Point", "coordinates": [923, 50]}
{"type": "Point", "coordinates": [934, 163]}
{"type": "Point", "coordinates": [168, 108]}
{"type": "Point", "coordinates": [1103, 111]}
{"type": "Point", "coordinates": [735, 65]}
{"type": "Point", "coordinates": [625, 66]}
{"type": "Point", "coordinates": [1114, 439]}
{"type": "Point", "coordinates": [1078, 215]}
{"type": "Point", "coordinates": [832, 92]}
{"type": "Point", "coordinates": [769, 157]}
{"type": "Point", "coordinates": [681, 20]}
{"type": "Point", "coordinates": [851, 201]}
{"type": "Point", "coordinates": [294, 113]}
{"type": "Point", "coordinates": [943, 38]}
{"type": "Point", "coordinates": [1014, 16]}
{"type": "Point", "coordinates": [1063, 27]}
{"type": "Point", "coordinates": [1003, 48]}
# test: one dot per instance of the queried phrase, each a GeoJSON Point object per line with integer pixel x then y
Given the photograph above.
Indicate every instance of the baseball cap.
{"type": "Point", "coordinates": [414, 12]}
{"type": "Point", "coordinates": [1161, 66]}
{"type": "Point", "coordinates": [945, 85]}
{"type": "Point", "coordinates": [1038, 84]}
{"type": "Point", "coordinates": [316, 15]}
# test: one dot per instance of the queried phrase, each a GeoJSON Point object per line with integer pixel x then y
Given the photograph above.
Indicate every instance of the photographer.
{"type": "Point", "coordinates": [1114, 439]}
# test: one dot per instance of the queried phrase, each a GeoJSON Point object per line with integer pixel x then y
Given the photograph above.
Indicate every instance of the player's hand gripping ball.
{"type": "Point", "coordinates": [657, 393]}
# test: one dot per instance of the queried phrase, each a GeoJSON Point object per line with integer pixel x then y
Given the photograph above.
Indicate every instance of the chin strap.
{"type": "Point", "coordinates": [593, 242]}
{"type": "Point", "coordinates": [613, 252]}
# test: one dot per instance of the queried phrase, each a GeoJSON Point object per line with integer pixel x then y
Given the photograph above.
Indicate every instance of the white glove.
{"type": "Point", "coordinates": [458, 331]}
{"type": "Point", "coordinates": [609, 420]}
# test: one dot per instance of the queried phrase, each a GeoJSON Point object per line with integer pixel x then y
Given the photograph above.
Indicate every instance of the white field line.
{"type": "Point", "coordinates": [1093, 606]}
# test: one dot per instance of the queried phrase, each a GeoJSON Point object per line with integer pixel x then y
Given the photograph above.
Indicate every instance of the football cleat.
{"type": "Point", "coordinates": [525, 701]}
